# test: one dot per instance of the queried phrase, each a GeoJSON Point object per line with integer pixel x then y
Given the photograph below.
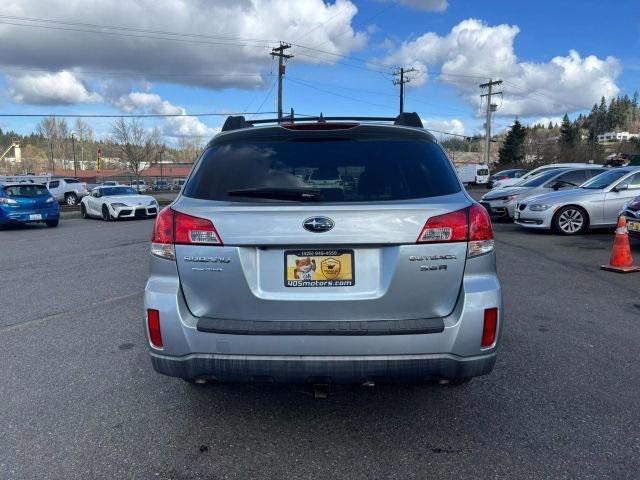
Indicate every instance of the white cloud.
{"type": "Point", "coordinates": [61, 88]}
{"type": "Point", "coordinates": [182, 126]}
{"type": "Point", "coordinates": [473, 50]}
{"type": "Point", "coordinates": [234, 51]}
{"type": "Point", "coordinates": [428, 5]}
{"type": "Point", "coordinates": [451, 126]}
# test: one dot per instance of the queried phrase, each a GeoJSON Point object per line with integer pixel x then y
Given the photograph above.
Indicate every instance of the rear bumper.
{"type": "Point", "coordinates": [348, 351]}
{"type": "Point", "coordinates": [632, 233]}
{"type": "Point", "coordinates": [337, 369]}
{"type": "Point", "coordinates": [8, 216]}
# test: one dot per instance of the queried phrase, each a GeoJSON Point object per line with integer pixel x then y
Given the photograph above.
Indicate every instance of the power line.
{"type": "Point", "coordinates": [129, 115]}
{"type": "Point", "coordinates": [300, 82]}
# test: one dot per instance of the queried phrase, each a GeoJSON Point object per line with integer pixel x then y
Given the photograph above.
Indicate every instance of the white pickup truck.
{"type": "Point", "coordinates": [67, 190]}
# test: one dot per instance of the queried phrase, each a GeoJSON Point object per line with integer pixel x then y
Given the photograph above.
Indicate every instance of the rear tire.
{"type": "Point", "coordinates": [71, 199]}
{"type": "Point", "coordinates": [571, 220]}
{"type": "Point", "coordinates": [83, 211]}
{"type": "Point", "coordinates": [52, 223]}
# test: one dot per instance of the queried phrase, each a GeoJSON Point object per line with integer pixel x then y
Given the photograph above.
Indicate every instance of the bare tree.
{"type": "Point", "coordinates": [56, 133]}
{"type": "Point", "coordinates": [136, 145]}
{"type": "Point", "coordinates": [189, 148]}
{"type": "Point", "coordinates": [84, 134]}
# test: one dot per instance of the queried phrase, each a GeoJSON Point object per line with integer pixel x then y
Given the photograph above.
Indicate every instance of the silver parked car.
{"type": "Point", "coordinates": [258, 274]}
{"type": "Point", "coordinates": [512, 182]}
{"type": "Point", "coordinates": [501, 202]}
{"type": "Point", "coordinates": [597, 203]}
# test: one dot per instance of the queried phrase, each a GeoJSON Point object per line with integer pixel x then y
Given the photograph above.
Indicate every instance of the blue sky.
{"type": "Point", "coordinates": [554, 57]}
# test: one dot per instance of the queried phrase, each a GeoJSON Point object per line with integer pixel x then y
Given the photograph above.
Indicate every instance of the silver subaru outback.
{"type": "Point", "coordinates": [328, 250]}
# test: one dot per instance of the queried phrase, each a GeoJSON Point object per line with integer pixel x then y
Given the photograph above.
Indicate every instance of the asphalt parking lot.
{"type": "Point", "coordinates": [79, 399]}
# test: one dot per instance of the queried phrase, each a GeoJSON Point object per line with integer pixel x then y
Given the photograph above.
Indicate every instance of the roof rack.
{"type": "Point", "coordinates": [406, 119]}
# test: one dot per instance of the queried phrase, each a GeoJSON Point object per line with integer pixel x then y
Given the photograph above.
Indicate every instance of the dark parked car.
{"type": "Point", "coordinates": [631, 212]}
{"type": "Point", "coordinates": [504, 174]}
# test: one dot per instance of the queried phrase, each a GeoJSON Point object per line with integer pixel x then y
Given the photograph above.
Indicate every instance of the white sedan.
{"type": "Point", "coordinates": [114, 203]}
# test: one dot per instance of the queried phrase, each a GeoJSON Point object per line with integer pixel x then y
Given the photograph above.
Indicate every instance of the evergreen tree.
{"type": "Point", "coordinates": [569, 134]}
{"type": "Point", "coordinates": [550, 126]}
{"type": "Point", "coordinates": [512, 150]}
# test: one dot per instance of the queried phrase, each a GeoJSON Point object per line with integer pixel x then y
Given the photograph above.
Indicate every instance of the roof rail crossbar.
{"type": "Point", "coordinates": [320, 119]}
{"type": "Point", "coordinates": [406, 119]}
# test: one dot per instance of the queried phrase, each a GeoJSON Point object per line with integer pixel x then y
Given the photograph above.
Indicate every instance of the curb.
{"type": "Point", "coordinates": [71, 214]}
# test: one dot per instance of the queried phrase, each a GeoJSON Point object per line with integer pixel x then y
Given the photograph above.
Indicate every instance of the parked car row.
{"type": "Point", "coordinates": [23, 202]}
{"type": "Point", "coordinates": [570, 200]}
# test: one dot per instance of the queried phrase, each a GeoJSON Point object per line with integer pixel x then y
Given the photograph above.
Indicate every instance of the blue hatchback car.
{"type": "Point", "coordinates": [27, 203]}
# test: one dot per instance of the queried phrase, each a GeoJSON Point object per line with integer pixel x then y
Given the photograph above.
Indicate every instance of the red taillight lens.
{"type": "Point", "coordinates": [479, 223]}
{"type": "Point", "coordinates": [450, 227]}
{"type": "Point", "coordinates": [153, 323]}
{"type": "Point", "coordinates": [173, 227]}
{"type": "Point", "coordinates": [471, 225]}
{"type": "Point", "coordinates": [490, 327]}
{"type": "Point", "coordinates": [189, 230]}
{"type": "Point", "coordinates": [163, 227]}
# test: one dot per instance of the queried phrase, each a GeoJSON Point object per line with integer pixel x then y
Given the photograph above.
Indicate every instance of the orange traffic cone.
{"type": "Point", "coordinates": [621, 260]}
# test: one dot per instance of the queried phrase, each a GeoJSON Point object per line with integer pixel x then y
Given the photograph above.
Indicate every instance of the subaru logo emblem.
{"type": "Point", "coordinates": [318, 224]}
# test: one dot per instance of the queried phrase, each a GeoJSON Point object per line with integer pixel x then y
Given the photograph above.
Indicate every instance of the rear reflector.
{"type": "Point", "coordinates": [490, 327]}
{"type": "Point", "coordinates": [153, 323]}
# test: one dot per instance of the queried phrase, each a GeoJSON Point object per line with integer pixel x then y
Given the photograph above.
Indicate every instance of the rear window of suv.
{"type": "Point", "coordinates": [25, 191]}
{"type": "Point", "coordinates": [322, 170]}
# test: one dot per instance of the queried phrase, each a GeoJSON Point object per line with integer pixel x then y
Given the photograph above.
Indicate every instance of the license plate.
{"type": "Point", "coordinates": [319, 268]}
{"type": "Point", "coordinates": [35, 216]}
{"type": "Point", "coordinates": [633, 226]}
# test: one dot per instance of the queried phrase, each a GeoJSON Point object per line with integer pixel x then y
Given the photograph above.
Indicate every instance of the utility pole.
{"type": "Point", "coordinates": [401, 81]}
{"type": "Point", "coordinates": [73, 148]}
{"type": "Point", "coordinates": [53, 163]}
{"type": "Point", "coordinates": [279, 52]}
{"type": "Point", "coordinates": [490, 108]}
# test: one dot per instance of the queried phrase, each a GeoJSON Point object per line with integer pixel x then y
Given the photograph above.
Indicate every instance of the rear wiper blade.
{"type": "Point", "coordinates": [308, 194]}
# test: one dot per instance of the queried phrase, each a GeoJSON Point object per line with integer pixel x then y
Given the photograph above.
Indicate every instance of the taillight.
{"type": "Point", "coordinates": [153, 324]}
{"type": "Point", "coordinates": [450, 227]}
{"type": "Point", "coordinates": [471, 225]}
{"type": "Point", "coordinates": [175, 228]}
{"type": "Point", "coordinates": [480, 231]}
{"type": "Point", "coordinates": [490, 327]}
{"type": "Point", "coordinates": [188, 230]}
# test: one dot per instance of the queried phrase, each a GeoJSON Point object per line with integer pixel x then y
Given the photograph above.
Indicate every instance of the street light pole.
{"type": "Point", "coordinates": [73, 148]}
